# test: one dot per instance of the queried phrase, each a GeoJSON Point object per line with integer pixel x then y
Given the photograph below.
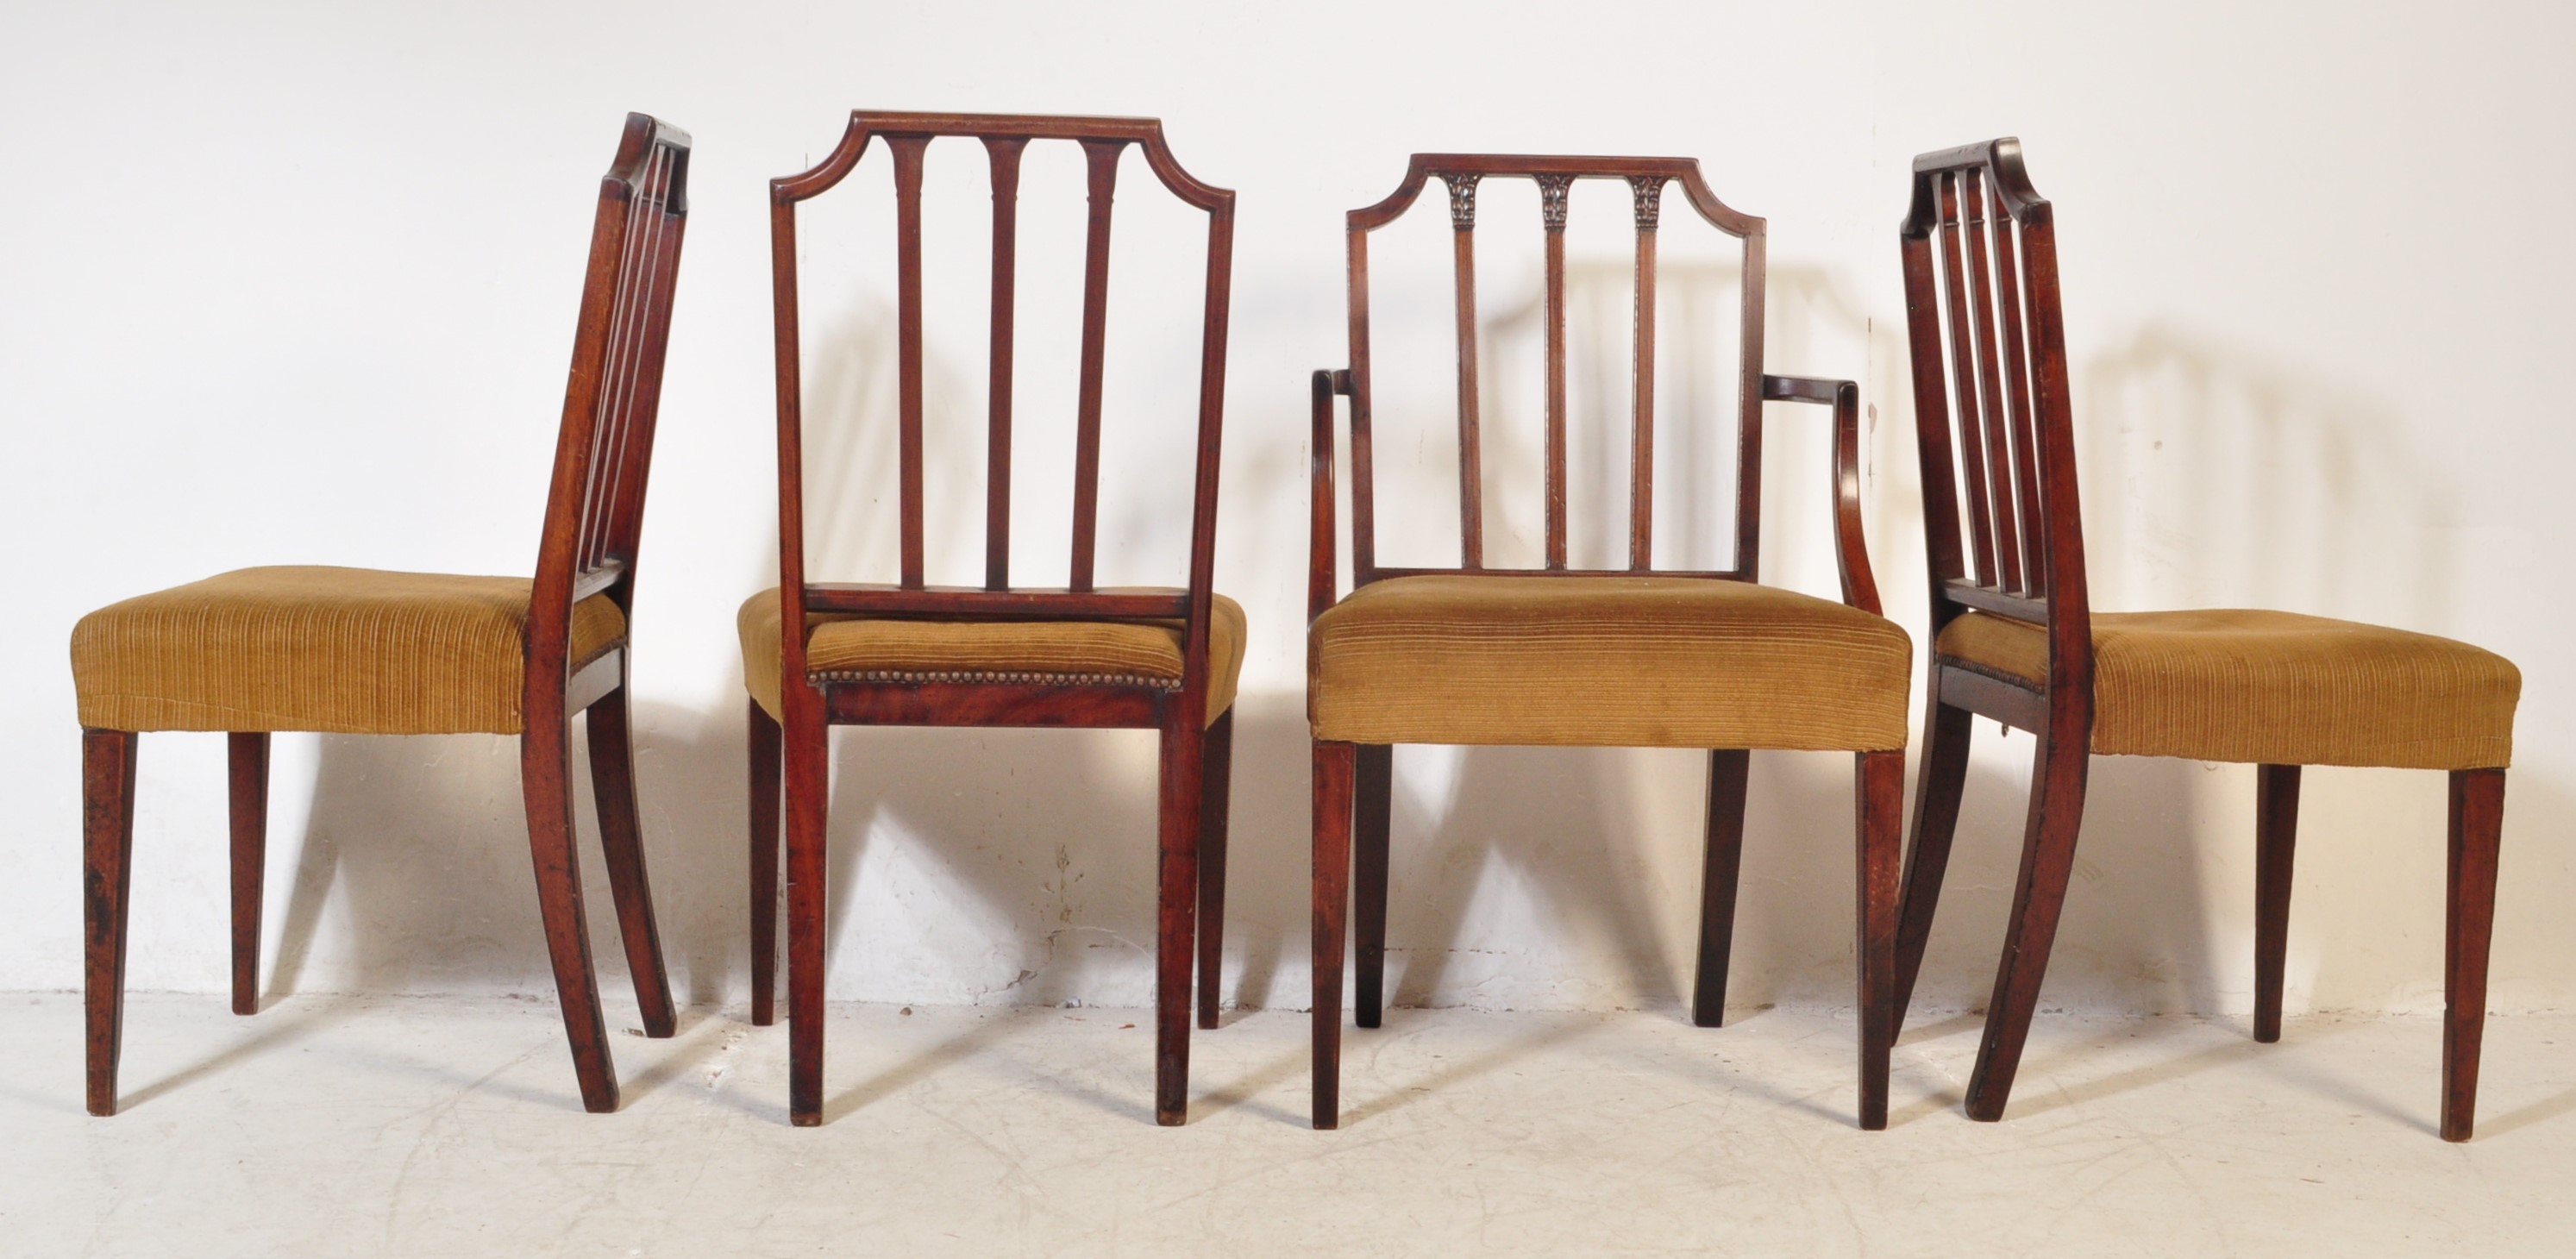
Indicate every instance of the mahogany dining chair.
{"type": "Point", "coordinates": [358, 651]}
{"type": "Point", "coordinates": [1566, 656]}
{"type": "Point", "coordinates": [2015, 638]}
{"type": "Point", "coordinates": [818, 654]}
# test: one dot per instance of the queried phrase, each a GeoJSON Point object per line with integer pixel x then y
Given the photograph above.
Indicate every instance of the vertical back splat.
{"type": "Point", "coordinates": [1999, 472]}
{"type": "Point", "coordinates": [1103, 159]}
{"type": "Point", "coordinates": [1005, 154]}
{"type": "Point", "coordinates": [1648, 180]}
{"type": "Point", "coordinates": [1551, 203]}
{"type": "Point", "coordinates": [1471, 462]}
{"type": "Point", "coordinates": [2025, 445]}
{"type": "Point", "coordinates": [615, 434]}
{"type": "Point", "coordinates": [1649, 192]}
{"type": "Point", "coordinates": [907, 237]}
{"type": "Point", "coordinates": [628, 325]}
{"type": "Point", "coordinates": [1963, 380]}
{"type": "Point", "coordinates": [1989, 370]}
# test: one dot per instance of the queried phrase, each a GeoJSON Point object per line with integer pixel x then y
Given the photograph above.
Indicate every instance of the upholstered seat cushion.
{"type": "Point", "coordinates": [338, 650]}
{"type": "Point", "coordinates": [844, 648]}
{"type": "Point", "coordinates": [2270, 688]}
{"type": "Point", "coordinates": [1604, 661]}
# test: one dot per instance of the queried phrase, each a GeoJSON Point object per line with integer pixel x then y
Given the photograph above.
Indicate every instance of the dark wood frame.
{"type": "Point", "coordinates": [1195, 753]}
{"type": "Point", "coordinates": [1351, 781]}
{"type": "Point", "coordinates": [594, 517]}
{"type": "Point", "coordinates": [1985, 327]}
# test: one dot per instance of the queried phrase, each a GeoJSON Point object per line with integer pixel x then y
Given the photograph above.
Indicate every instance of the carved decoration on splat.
{"type": "Point", "coordinates": [1462, 200]}
{"type": "Point", "coordinates": [1649, 190]}
{"type": "Point", "coordinates": [1551, 200]}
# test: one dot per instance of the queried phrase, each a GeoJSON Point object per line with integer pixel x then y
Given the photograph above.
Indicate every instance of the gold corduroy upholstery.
{"type": "Point", "coordinates": [856, 649]}
{"type": "Point", "coordinates": [336, 650]}
{"type": "Point", "coordinates": [2272, 688]}
{"type": "Point", "coordinates": [1605, 661]}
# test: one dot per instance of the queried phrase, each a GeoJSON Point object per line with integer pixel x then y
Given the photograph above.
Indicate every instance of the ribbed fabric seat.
{"type": "Point", "coordinates": [2268, 687]}
{"type": "Point", "coordinates": [336, 650]}
{"type": "Point", "coordinates": [1605, 661]}
{"type": "Point", "coordinates": [843, 648]}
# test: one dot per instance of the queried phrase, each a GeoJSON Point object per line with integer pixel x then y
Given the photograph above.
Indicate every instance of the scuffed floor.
{"type": "Point", "coordinates": [340, 1126]}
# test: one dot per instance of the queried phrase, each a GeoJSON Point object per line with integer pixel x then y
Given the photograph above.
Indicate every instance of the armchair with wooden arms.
{"type": "Point", "coordinates": [1561, 656]}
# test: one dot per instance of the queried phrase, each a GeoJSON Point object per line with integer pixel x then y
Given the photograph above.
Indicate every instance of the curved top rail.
{"type": "Point", "coordinates": [1146, 133]}
{"type": "Point", "coordinates": [1682, 170]}
{"type": "Point", "coordinates": [2000, 158]}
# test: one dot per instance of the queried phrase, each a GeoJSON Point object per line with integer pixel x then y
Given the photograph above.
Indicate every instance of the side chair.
{"type": "Point", "coordinates": [2015, 639]}
{"type": "Point", "coordinates": [818, 654]}
{"type": "Point", "coordinates": [1561, 656]}
{"type": "Point", "coordinates": [357, 651]}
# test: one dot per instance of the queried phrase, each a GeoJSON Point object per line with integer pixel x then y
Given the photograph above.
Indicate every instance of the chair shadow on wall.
{"type": "Point", "coordinates": [2137, 926]}
{"type": "Point", "coordinates": [1605, 873]}
{"type": "Point", "coordinates": [417, 846]}
{"type": "Point", "coordinates": [2336, 516]}
{"type": "Point", "coordinates": [1041, 855]}
{"type": "Point", "coordinates": [1550, 819]}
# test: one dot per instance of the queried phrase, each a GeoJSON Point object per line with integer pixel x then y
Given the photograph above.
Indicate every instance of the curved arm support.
{"type": "Point", "coordinates": [1851, 550]}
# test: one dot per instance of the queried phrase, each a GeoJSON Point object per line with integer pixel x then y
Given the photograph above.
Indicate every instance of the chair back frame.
{"type": "Point", "coordinates": [2001, 520]}
{"type": "Point", "coordinates": [1351, 808]}
{"type": "Point", "coordinates": [1005, 136]}
{"type": "Point", "coordinates": [595, 502]}
{"type": "Point", "coordinates": [1460, 173]}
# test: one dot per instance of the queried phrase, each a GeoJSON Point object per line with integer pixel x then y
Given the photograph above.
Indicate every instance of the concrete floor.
{"type": "Point", "coordinates": [339, 1125]}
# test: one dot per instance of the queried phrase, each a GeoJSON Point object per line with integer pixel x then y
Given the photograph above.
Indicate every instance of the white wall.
{"type": "Point", "coordinates": [295, 284]}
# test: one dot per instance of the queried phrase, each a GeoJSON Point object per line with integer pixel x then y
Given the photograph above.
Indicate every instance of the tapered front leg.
{"type": "Point", "coordinates": [1719, 871]}
{"type": "Point", "coordinates": [544, 778]}
{"type": "Point", "coordinates": [2048, 858]}
{"type": "Point", "coordinates": [1176, 938]}
{"type": "Point", "coordinates": [248, 756]}
{"type": "Point", "coordinates": [1333, 772]}
{"type": "Point", "coordinates": [1880, 801]}
{"type": "Point", "coordinates": [763, 748]}
{"type": "Point", "coordinates": [2477, 831]}
{"type": "Point", "coordinates": [1217, 777]}
{"type": "Point", "coordinates": [621, 838]}
{"type": "Point", "coordinates": [1372, 817]}
{"type": "Point", "coordinates": [2276, 834]}
{"type": "Point", "coordinates": [107, 830]}
{"type": "Point", "coordinates": [808, 779]}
